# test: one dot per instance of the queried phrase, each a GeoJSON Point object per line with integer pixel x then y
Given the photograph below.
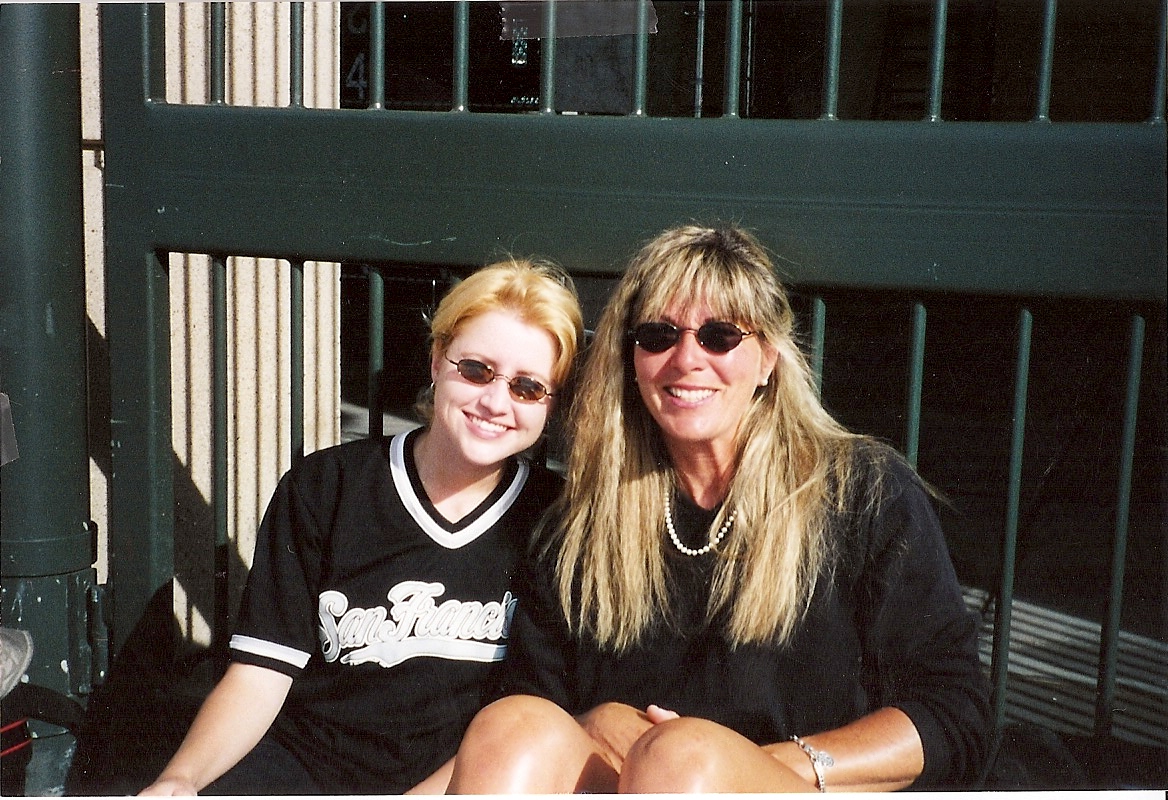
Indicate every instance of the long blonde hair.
{"type": "Point", "coordinates": [793, 459]}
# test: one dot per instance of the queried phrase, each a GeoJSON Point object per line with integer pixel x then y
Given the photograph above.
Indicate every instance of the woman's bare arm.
{"type": "Point", "coordinates": [231, 721]}
{"type": "Point", "coordinates": [879, 752]}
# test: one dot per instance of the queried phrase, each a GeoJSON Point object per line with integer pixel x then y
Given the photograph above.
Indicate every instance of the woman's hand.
{"type": "Point", "coordinates": [615, 728]}
{"type": "Point", "coordinates": [169, 787]}
{"type": "Point", "coordinates": [437, 783]}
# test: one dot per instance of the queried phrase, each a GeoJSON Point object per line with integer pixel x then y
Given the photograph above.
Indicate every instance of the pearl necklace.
{"type": "Point", "coordinates": [689, 551]}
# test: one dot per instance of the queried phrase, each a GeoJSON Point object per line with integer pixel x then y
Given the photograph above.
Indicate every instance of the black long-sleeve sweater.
{"type": "Point", "coordinates": [887, 627]}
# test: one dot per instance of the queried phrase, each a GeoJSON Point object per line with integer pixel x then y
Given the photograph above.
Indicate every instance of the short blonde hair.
{"type": "Point", "coordinates": [539, 292]}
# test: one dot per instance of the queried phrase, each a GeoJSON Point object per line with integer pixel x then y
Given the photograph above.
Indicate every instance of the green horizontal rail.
{"type": "Point", "coordinates": [1023, 208]}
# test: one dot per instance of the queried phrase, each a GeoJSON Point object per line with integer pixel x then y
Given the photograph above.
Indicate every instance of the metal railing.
{"type": "Point", "coordinates": [1077, 210]}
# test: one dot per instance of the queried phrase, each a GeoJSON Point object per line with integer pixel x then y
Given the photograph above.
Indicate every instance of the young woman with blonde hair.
{"type": "Point", "coordinates": [378, 608]}
{"type": "Point", "coordinates": [736, 593]}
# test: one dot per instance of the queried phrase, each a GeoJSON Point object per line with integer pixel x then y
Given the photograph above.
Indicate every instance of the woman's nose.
{"type": "Point", "coordinates": [687, 351]}
{"type": "Point", "coordinates": [496, 394]}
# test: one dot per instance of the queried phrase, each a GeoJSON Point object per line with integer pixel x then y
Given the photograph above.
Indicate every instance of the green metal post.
{"type": "Point", "coordinates": [818, 333]}
{"type": "Point", "coordinates": [641, 73]}
{"type": "Point", "coordinates": [377, 56]}
{"type": "Point", "coordinates": [699, 58]}
{"type": "Point", "coordinates": [219, 437]}
{"type": "Point", "coordinates": [1109, 643]}
{"type": "Point", "coordinates": [916, 379]}
{"type": "Point", "coordinates": [376, 350]}
{"type": "Point", "coordinates": [296, 55]}
{"type": "Point", "coordinates": [218, 53]}
{"type": "Point", "coordinates": [937, 60]}
{"type": "Point", "coordinates": [461, 76]}
{"type": "Point", "coordinates": [1157, 117]}
{"type": "Point", "coordinates": [1001, 656]}
{"type": "Point", "coordinates": [296, 347]}
{"type": "Point", "coordinates": [733, 58]}
{"type": "Point", "coordinates": [1046, 61]}
{"type": "Point", "coordinates": [46, 538]}
{"type": "Point", "coordinates": [547, 79]}
{"type": "Point", "coordinates": [831, 60]}
{"type": "Point", "coordinates": [141, 502]}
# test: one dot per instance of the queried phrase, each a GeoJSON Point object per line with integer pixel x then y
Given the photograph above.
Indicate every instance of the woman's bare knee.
{"type": "Point", "coordinates": [668, 758]}
{"type": "Point", "coordinates": [696, 755]}
{"type": "Point", "coordinates": [517, 744]}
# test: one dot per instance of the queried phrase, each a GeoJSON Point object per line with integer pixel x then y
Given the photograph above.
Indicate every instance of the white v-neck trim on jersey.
{"type": "Point", "coordinates": [434, 529]}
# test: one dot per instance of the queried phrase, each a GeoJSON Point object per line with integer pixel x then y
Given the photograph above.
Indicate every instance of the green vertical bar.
{"type": "Point", "coordinates": [296, 55]}
{"type": "Point", "coordinates": [377, 55]}
{"type": "Point", "coordinates": [1109, 645]}
{"type": "Point", "coordinates": [733, 57]}
{"type": "Point", "coordinates": [296, 368]}
{"type": "Point", "coordinates": [153, 38]}
{"type": "Point", "coordinates": [141, 501]}
{"type": "Point", "coordinates": [1161, 57]}
{"type": "Point", "coordinates": [220, 435]}
{"type": "Point", "coordinates": [831, 59]}
{"type": "Point", "coordinates": [219, 378]}
{"type": "Point", "coordinates": [547, 80]}
{"type": "Point", "coordinates": [218, 53]}
{"type": "Point", "coordinates": [461, 56]}
{"type": "Point", "coordinates": [1001, 656]}
{"type": "Point", "coordinates": [818, 332]}
{"type": "Point", "coordinates": [916, 379]}
{"type": "Point", "coordinates": [641, 79]}
{"type": "Point", "coordinates": [376, 350]}
{"type": "Point", "coordinates": [1046, 62]}
{"type": "Point", "coordinates": [700, 58]}
{"type": "Point", "coordinates": [937, 61]}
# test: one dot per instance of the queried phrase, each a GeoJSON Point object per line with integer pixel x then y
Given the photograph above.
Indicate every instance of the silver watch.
{"type": "Point", "coordinates": [820, 759]}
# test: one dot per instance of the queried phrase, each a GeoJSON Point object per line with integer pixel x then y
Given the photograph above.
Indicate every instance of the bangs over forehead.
{"type": "Point", "coordinates": [732, 278]}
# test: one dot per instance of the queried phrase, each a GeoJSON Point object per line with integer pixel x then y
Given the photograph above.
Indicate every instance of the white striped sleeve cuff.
{"type": "Point", "coordinates": [272, 650]}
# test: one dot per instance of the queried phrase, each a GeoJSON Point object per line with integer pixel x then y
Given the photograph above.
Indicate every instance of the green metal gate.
{"type": "Point", "coordinates": [924, 208]}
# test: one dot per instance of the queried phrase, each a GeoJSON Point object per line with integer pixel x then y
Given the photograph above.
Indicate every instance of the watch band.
{"type": "Point", "coordinates": [820, 760]}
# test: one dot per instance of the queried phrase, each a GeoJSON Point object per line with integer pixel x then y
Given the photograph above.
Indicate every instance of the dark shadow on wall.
{"type": "Point", "coordinates": [135, 721]}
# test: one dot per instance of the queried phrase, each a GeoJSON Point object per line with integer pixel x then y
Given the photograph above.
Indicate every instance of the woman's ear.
{"type": "Point", "coordinates": [770, 357]}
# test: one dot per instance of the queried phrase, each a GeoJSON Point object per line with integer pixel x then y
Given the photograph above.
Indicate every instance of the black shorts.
{"type": "Point", "coordinates": [268, 769]}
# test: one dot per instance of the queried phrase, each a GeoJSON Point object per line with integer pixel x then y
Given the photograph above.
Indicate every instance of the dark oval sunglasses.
{"type": "Point", "coordinates": [714, 336]}
{"type": "Point", "coordinates": [524, 389]}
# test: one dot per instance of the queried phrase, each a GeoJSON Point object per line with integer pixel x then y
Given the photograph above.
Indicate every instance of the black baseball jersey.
{"type": "Point", "coordinates": [390, 619]}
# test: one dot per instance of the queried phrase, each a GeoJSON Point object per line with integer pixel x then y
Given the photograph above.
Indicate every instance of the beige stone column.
{"type": "Point", "coordinates": [259, 378]}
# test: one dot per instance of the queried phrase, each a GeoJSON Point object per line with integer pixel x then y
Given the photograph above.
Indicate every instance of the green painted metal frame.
{"type": "Point", "coordinates": [1027, 209]}
{"type": "Point", "coordinates": [1022, 208]}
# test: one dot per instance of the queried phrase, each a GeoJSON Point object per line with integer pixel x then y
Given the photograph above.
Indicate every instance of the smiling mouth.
{"type": "Point", "coordinates": [689, 395]}
{"type": "Point", "coordinates": [486, 424]}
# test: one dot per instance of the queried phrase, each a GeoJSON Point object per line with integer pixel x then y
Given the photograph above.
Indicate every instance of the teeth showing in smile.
{"type": "Point", "coordinates": [487, 425]}
{"type": "Point", "coordinates": [690, 395]}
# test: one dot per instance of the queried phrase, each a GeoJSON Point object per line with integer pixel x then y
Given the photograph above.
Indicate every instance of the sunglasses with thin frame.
{"type": "Point", "coordinates": [523, 388]}
{"type": "Point", "coordinates": [714, 336]}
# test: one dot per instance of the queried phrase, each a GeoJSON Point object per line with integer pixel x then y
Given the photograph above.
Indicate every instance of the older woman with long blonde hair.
{"type": "Point", "coordinates": [734, 593]}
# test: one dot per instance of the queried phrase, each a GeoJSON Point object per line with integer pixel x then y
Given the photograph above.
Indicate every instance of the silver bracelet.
{"type": "Point", "coordinates": [820, 759]}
